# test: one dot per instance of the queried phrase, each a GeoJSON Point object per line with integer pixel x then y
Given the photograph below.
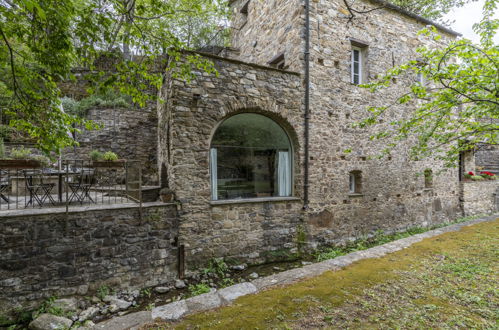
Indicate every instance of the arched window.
{"type": "Point", "coordinates": [250, 157]}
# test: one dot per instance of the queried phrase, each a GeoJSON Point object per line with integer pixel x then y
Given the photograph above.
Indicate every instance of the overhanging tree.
{"type": "Point", "coordinates": [42, 41]}
{"type": "Point", "coordinates": [430, 9]}
{"type": "Point", "coordinates": [456, 101]}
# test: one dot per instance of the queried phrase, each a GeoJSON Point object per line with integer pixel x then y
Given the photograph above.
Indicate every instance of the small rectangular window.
{"type": "Point", "coordinates": [355, 182]}
{"type": "Point", "coordinates": [356, 66]}
{"type": "Point", "coordinates": [359, 64]}
{"type": "Point", "coordinates": [420, 78]}
{"type": "Point", "coordinates": [428, 178]}
{"type": "Point", "coordinates": [352, 183]}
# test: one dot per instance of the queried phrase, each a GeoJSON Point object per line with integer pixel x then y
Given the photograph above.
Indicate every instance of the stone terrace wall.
{"type": "Point", "coordinates": [48, 254]}
{"type": "Point", "coordinates": [480, 197]}
{"type": "Point", "coordinates": [130, 133]}
{"type": "Point", "coordinates": [188, 119]}
{"type": "Point", "coordinates": [487, 158]}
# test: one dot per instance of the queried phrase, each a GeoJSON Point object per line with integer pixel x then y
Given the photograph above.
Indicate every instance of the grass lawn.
{"type": "Point", "coordinates": [449, 281]}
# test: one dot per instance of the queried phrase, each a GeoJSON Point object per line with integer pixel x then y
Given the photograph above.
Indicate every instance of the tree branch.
{"type": "Point", "coordinates": [12, 67]}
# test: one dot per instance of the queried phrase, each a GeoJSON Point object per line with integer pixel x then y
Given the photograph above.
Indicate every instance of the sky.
{"type": "Point", "coordinates": [465, 17]}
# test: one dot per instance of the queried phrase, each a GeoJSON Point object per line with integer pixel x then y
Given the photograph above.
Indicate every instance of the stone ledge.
{"type": "Point", "coordinates": [255, 200]}
{"type": "Point", "coordinates": [178, 309]}
{"type": "Point", "coordinates": [354, 195]}
{"type": "Point", "coordinates": [78, 209]}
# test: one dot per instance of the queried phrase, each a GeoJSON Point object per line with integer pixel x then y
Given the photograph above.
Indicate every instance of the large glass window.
{"type": "Point", "coordinates": [250, 157]}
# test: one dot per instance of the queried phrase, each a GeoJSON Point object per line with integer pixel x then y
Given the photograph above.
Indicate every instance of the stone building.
{"type": "Point", "coordinates": [256, 160]}
{"type": "Point", "coordinates": [216, 132]}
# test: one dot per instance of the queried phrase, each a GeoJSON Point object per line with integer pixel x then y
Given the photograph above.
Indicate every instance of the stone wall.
{"type": "Point", "coordinates": [270, 28]}
{"type": "Point", "coordinates": [393, 195]}
{"type": "Point", "coordinates": [487, 158]}
{"type": "Point", "coordinates": [188, 118]}
{"type": "Point", "coordinates": [480, 197]}
{"type": "Point", "coordinates": [44, 254]}
{"type": "Point", "coordinates": [130, 133]}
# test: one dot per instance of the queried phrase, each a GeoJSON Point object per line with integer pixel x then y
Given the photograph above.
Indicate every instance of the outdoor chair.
{"type": "Point", "coordinates": [4, 185]}
{"type": "Point", "coordinates": [39, 191]}
{"type": "Point", "coordinates": [80, 188]}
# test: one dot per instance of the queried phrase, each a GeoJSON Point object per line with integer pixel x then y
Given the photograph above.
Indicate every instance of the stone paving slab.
{"type": "Point", "coordinates": [170, 312]}
{"type": "Point", "coordinates": [130, 321]}
{"type": "Point", "coordinates": [233, 292]}
{"type": "Point", "coordinates": [225, 296]}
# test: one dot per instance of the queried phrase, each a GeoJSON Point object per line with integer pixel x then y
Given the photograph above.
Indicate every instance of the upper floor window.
{"type": "Point", "coordinates": [358, 61]}
{"type": "Point", "coordinates": [250, 157]}
{"type": "Point", "coordinates": [428, 178]}
{"type": "Point", "coordinates": [356, 65]}
{"type": "Point", "coordinates": [420, 76]}
{"type": "Point", "coordinates": [355, 182]}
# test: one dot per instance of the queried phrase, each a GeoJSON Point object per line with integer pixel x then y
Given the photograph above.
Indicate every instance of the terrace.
{"type": "Point", "coordinates": [67, 184]}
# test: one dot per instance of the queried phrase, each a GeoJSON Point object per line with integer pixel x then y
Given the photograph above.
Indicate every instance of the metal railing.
{"type": "Point", "coordinates": [69, 183]}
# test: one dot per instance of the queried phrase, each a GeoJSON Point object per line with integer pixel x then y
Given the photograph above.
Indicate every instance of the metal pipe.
{"type": "Point", "coordinates": [307, 106]}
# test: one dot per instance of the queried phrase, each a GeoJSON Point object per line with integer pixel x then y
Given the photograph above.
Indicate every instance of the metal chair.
{"type": "Point", "coordinates": [80, 188]}
{"type": "Point", "coordinates": [38, 190]}
{"type": "Point", "coordinates": [4, 185]}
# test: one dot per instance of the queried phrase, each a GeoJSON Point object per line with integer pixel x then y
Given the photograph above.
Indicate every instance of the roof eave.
{"type": "Point", "coordinates": [417, 17]}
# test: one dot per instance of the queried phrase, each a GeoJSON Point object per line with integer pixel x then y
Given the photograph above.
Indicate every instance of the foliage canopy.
{"type": "Point", "coordinates": [43, 41]}
{"type": "Point", "coordinates": [456, 98]}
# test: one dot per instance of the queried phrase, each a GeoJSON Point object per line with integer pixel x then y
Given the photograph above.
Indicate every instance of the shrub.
{"type": "Point", "coordinates": [197, 289]}
{"type": "Point", "coordinates": [95, 155]}
{"type": "Point", "coordinates": [43, 160]}
{"type": "Point", "coordinates": [72, 107]}
{"type": "Point", "coordinates": [103, 99]}
{"type": "Point", "coordinates": [477, 178]}
{"type": "Point", "coordinates": [216, 266]}
{"type": "Point", "coordinates": [110, 156]}
{"type": "Point", "coordinates": [488, 175]}
{"type": "Point", "coordinates": [2, 149]}
{"type": "Point", "coordinates": [20, 153]}
{"type": "Point", "coordinates": [6, 132]}
{"type": "Point", "coordinates": [103, 291]}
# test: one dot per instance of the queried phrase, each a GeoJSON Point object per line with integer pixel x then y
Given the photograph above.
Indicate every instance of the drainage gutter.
{"type": "Point", "coordinates": [307, 107]}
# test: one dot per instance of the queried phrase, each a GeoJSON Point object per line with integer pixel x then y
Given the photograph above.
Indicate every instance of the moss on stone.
{"type": "Point", "coordinates": [442, 281]}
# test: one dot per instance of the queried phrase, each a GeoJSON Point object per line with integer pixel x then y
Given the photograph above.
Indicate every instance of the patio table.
{"type": "Point", "coordinates": [60, 175]}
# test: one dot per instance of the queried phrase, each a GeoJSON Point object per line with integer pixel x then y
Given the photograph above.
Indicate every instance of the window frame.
{"type": "Point", "coordinates": [355, 182]}
{"type": "Point", "coordinates": [360, 62]}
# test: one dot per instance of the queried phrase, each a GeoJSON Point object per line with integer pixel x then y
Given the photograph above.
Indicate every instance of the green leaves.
{"type": "Point", "coordinates": [121, 45]}
{"type": "Point", "coordinates": [456, 103]}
